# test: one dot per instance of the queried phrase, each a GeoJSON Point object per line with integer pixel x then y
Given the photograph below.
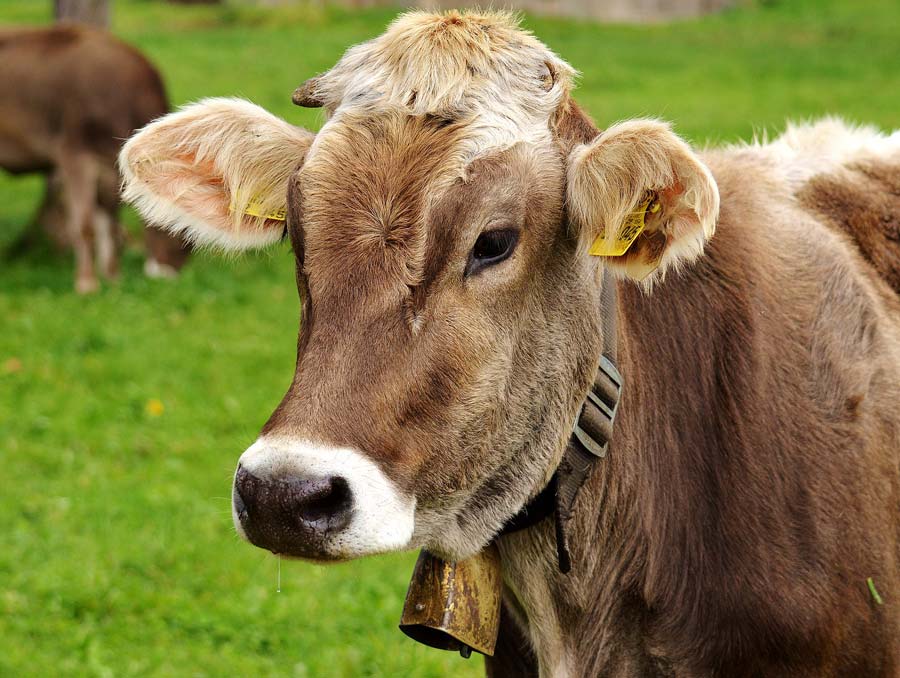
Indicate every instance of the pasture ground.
{"type": "Point", "coordinates": [122, 414]}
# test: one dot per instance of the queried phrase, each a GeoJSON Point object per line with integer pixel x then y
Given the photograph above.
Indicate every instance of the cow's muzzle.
{"type": "Point", "coordinates": [292, 516]}
{"type": "Point", "coordinates": [320, 502]}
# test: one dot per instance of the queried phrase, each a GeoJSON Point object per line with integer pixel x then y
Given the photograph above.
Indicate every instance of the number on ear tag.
{"type": "Point", "coordinates": [254, 209]}
{"type": "Point", "coordinates": [630, 229]}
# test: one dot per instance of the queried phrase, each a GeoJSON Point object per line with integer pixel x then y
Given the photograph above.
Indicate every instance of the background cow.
{"type": "Point", "coordinates": [69, 95]}
{"type": "Point", "coordinates": [441, 221]}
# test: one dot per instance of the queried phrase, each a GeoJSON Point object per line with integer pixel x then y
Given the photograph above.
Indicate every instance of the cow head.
{"type": "Point", "coordinates": [440, 222]}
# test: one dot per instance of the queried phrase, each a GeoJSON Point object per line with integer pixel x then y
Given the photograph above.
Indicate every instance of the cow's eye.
{"type": "Point", "coordinates": [491, 248]}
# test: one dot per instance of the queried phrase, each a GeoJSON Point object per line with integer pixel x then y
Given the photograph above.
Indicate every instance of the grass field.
{"type": "Point", "coordinates": [122, 414]}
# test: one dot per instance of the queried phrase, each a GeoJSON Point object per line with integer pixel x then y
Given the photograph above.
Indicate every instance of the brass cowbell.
{"type": "Point", "coordinates": [455, 606]}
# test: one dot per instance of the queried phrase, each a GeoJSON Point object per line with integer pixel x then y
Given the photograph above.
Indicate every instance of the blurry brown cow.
{"type": "Point", "coordinates": [69, 95]}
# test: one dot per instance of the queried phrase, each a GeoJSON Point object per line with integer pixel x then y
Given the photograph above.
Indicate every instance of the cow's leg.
{"type": "Point", "coordinates": [105, 247]}
{"type": "Point", "coordinates": [513, 656]}
{"type": "Point", "coordinates": [49, 218]}
{"type": "Point", "coordinates": [78, 172]}
{"type": "Point", "coordinates": [51, 215]}
{"type": "Point", "coordinates": [107, 230]}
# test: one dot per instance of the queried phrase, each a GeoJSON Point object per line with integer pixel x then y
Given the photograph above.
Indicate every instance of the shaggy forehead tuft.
{"type": "Point", "coordinates": [478, 67]}
{"type": "Point", "coordinates": [366, 190]}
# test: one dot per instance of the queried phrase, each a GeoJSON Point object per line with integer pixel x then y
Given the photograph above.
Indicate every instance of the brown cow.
{"type": "Point", "coordinates": [69, 96]}
{"type": "Point", "coordinates": [441, 221]}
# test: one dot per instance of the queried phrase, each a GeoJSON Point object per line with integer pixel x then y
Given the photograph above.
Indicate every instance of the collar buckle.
{"type": "Point", "coordinates": [594, 425]}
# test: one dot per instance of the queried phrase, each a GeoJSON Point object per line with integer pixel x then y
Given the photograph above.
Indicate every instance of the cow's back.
{"type": "Point", "coordinates": [847, 177]}
{"type": "Point", "coordinates": [68, 88]}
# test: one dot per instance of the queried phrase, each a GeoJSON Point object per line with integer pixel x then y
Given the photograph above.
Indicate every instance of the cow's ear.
{"type": "Point", "coordinates": [216, 172]}
{"type": "Point", "coordinates": [641, 198]}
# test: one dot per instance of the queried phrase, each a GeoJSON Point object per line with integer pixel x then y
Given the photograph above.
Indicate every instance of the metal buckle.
{"type": "Point", "coordinates": [592, 446]}
{"type": "Point", "coordinates": [606, 366]}
{"type": "Point", "coordinates": [603, 398]}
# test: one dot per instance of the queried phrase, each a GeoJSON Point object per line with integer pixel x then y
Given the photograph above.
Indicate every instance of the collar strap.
{"type": "Point", "coordinates": [588, 443]}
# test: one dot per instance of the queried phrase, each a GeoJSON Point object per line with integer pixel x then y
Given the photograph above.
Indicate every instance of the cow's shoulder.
{"type": "Point", "coordinates": [862, 199]}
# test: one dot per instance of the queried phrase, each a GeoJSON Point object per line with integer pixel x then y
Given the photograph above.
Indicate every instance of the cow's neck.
{"type": "Point", "coordinates": [531, 576]}
{"type": "Point", "coordinates": [639, 518]}
{"type": "Point", "coordinates": [591, 611]}
{"type": "Point", "coordinates": [589, 606]}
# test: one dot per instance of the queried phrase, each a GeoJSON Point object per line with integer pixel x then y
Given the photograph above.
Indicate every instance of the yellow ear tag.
{"type": "Point", "coordinates": [254, 209]}
{"type": "Point", "coordinates": [630, 229]}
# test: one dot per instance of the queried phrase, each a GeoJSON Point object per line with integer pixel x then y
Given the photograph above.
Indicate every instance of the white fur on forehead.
{"type": "Point", "coordinates": [476, 66]}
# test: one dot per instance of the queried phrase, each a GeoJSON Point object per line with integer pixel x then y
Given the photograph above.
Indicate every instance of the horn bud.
{"type": "Point", "coordinates": [305, 95]}
{"type": "Point", "coordinates": [455, 606]}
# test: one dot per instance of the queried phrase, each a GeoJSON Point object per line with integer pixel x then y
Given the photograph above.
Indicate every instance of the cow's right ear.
{"type": "Point", "coordinates": [216, 172]}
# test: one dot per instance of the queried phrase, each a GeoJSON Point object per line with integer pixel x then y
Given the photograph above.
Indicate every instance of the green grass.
{"type": "Point", "coordinates": [117, 555]}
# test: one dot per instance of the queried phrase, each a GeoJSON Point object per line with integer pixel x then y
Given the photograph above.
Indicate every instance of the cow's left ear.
{"type": "Point", "coordinates": [641, 198]}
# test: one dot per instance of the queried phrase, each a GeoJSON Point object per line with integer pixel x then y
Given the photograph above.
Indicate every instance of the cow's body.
{"type": "Point", "coordinates": [745, 521]}
{"type": "Point", "coordinates": [70, 95]}
{"type": "Point", "coordinates": [752, 485]}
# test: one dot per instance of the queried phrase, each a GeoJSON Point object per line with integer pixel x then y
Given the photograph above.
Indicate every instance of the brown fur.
{"type": "Point", "coordinates": [69, 95]}
{"type": "Point", "coordinates": [864, 201]}
{"type": "Point", "coordinates": [753, 482]}
{"type": "Point", "coordinates": [739, 538]}
{"type": "Point", "coordinates": [393, 267]}
{"type": "Point", "coordinates": [736, 542]}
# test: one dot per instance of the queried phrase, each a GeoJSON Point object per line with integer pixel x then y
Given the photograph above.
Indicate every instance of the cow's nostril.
{"type": "Point", "coordinates": [331, 501]}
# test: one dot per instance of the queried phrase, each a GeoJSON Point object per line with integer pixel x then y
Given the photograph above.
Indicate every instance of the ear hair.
{"type": "Point", "coordinates": [215, 171]}
{"type": "Point", "coordinates": [610, 177]}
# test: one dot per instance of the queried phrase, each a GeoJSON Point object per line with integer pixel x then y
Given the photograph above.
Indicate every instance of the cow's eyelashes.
{"type": "Point", "coordinates": [491, 248]}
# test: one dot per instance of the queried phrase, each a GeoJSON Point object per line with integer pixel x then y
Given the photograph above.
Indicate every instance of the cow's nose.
{"type": "Point", "coordinates": [291, 515]}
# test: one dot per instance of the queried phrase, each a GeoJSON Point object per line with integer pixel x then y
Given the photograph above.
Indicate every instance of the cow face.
{"type": "Point", "coordinates": [440, 222]}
